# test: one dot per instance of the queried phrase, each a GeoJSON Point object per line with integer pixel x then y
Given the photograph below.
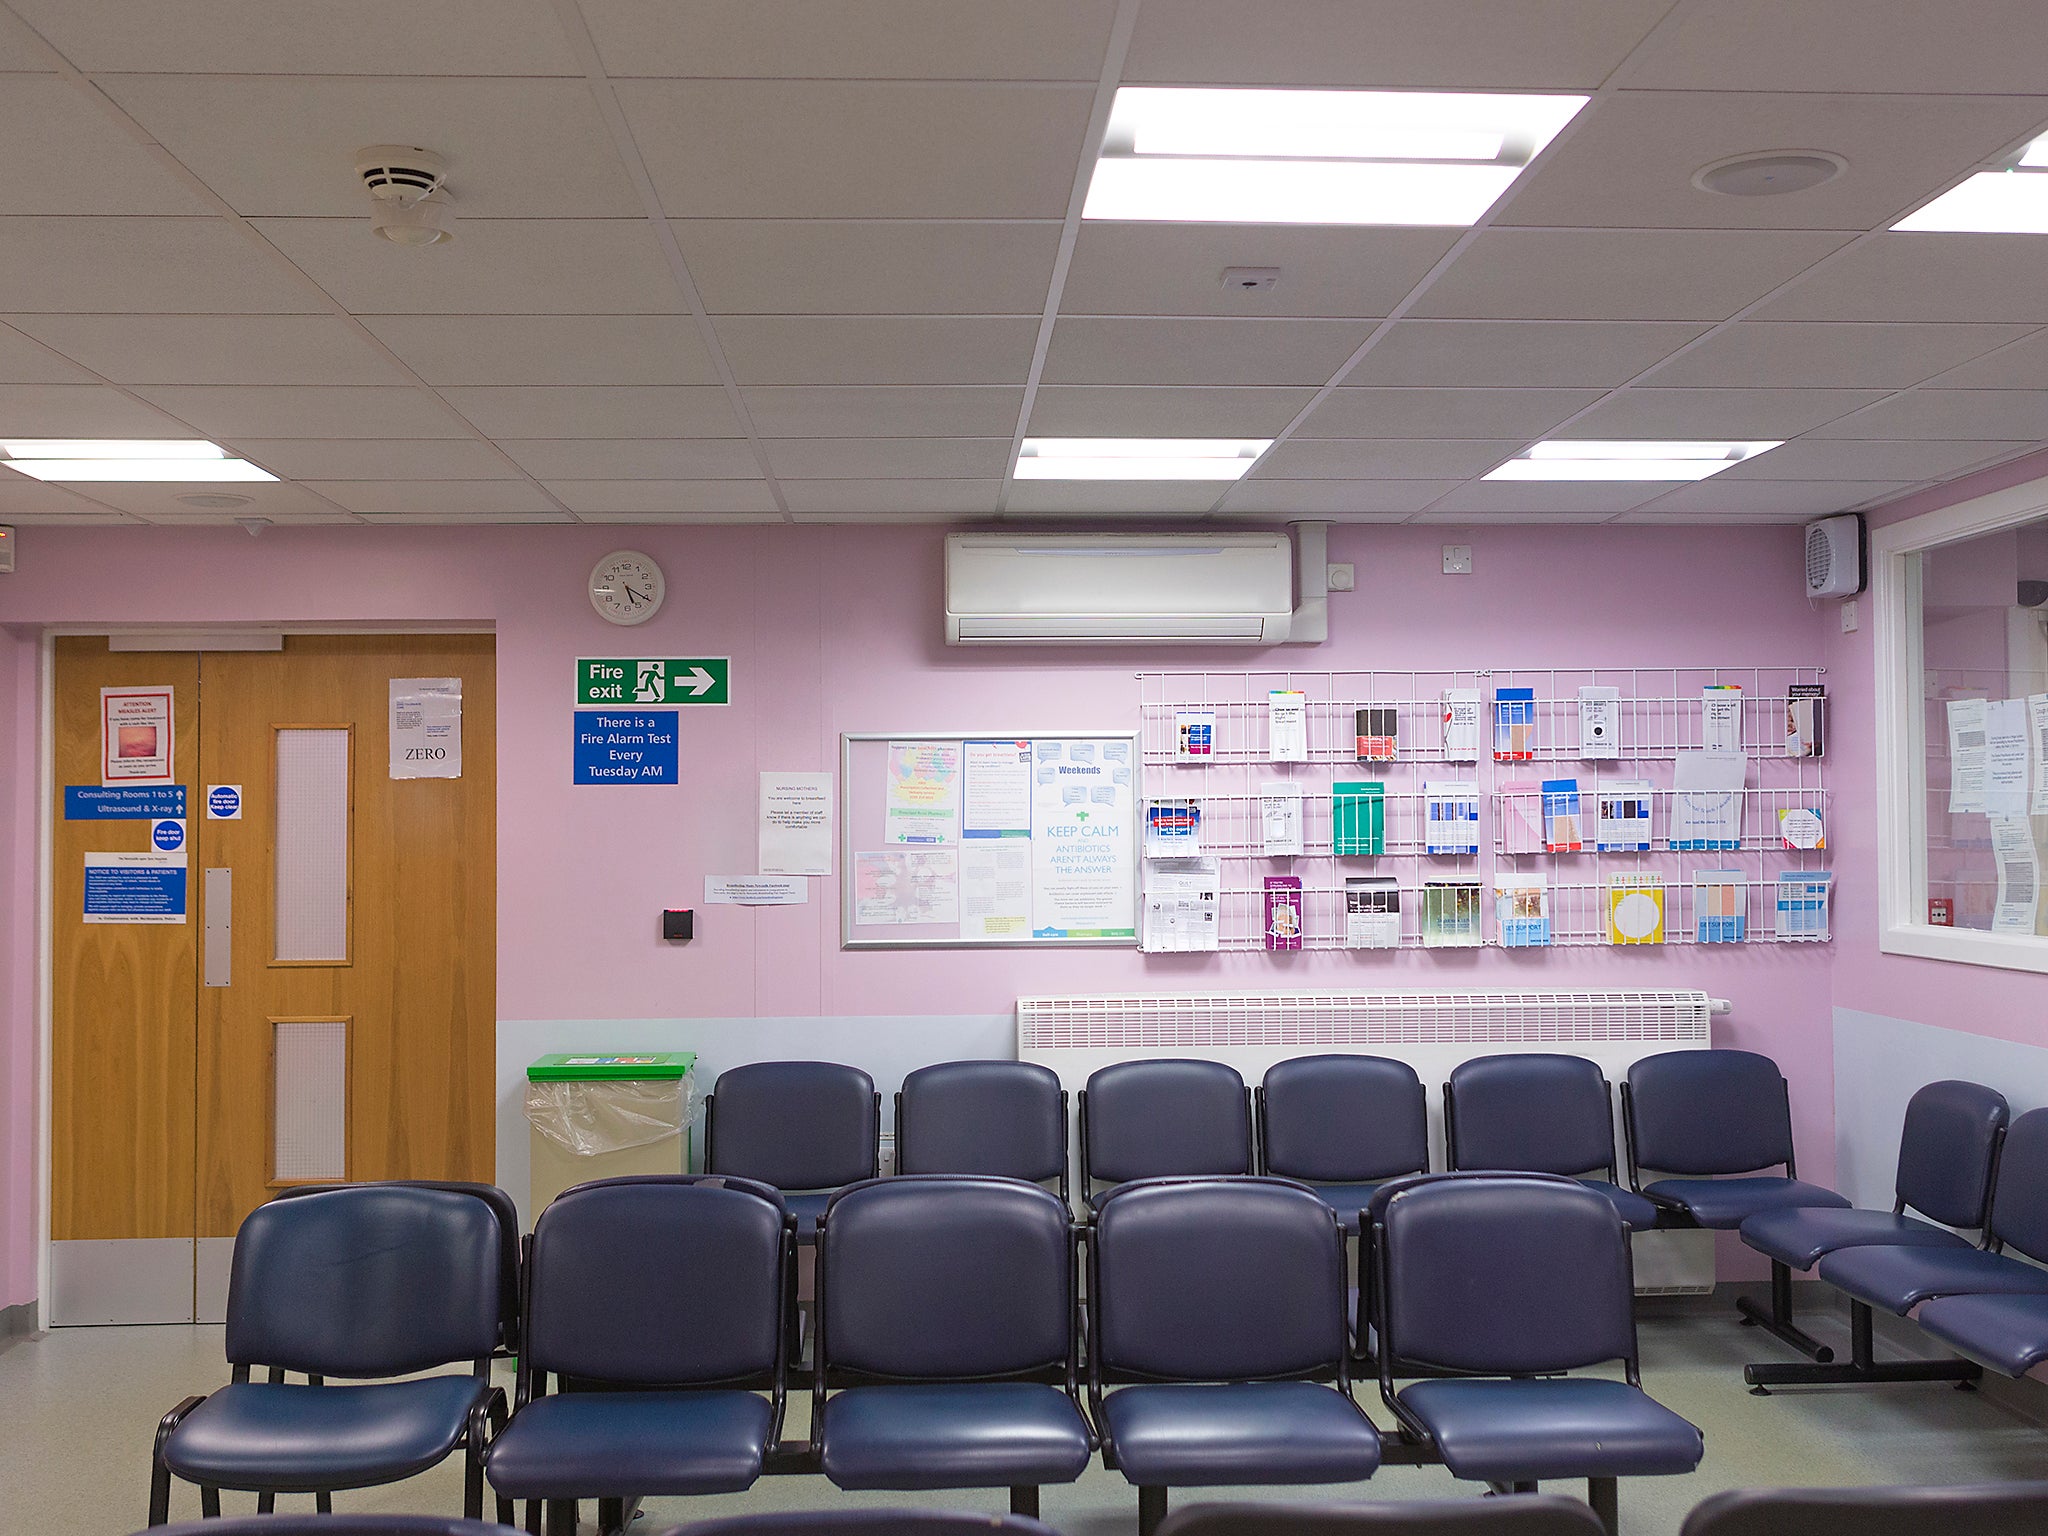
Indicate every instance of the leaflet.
{"type": "Point", "coordinates": [1623, 825]}
{"type": "Point", "coordinates": [1721, 717]}
{"type": "Point", "coordinates": [1967, 764]}
{"type": "Point", "coordinates": [1182, 897]}
{"type": "Point", "coordinates": [2005, 757]}
{"type": "Point", "coordinates": [923, 805]}
{"type": "Point", "coordinates": [1287, 725]}
{"type": "Point", "coordinates": [2019, 874]}
{"type": "Point", "coordinates": [995, 889]}
{"type": "Point", "coordinates": [1599, 722]}
{"type": "Point", "coordinates": [1521, 911]}
{"type": "Point", "coordinates": [2037, 726]}
{"type": "Point", "coordinates": [1280, 820]}
{"type": "Point", "coordinates": [1173, 829]}
{"type": "Point", "coordinates": [1461, 725]}
{"type": "Point", "coordinates": [1372, 912]}
{"type": "Point", "coordinates": [1706, 799]}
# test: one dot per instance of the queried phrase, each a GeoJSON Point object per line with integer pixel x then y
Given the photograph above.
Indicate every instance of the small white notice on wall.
{"type": "Point", "coordinates": [796, 823]}
{"type": "Point", "coordinates": [426, 727]}
{"type": "Point", "coordinates": [135, 736]}
{"type": "Point", "coordinates": [756, 891]}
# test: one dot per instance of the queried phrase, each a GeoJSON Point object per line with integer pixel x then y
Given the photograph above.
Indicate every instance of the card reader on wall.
{"type": "Point", "coordinates": [679, 925]}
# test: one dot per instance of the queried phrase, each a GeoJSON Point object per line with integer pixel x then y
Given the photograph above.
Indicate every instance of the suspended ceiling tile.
{"type": "Point", "coordinates": [1107, 410]}
{"type": "Point", "coordinates": [1218, 352]}
{"type": "Point", "coordinates": [548, 349]}
{"type": "Point", "coordinates": [465, 518]}
{"type": "Point", "coordinates": [491, 267]}
{"type": "Point", "coordinates": [810, 149]}
{"type": "Point", "coordinates": [1448, 44]}
{"type": "Point", "coordinates": [261, 499]}
{"type": "Point", "coordinates": [298, 458]}
{"type": "Point", "coordinates": [81, 410]}
{"type": "Point", "coordinates": [1522, 414]}
{"type": "Point", "coordinates": [65, 155]}
{"type": "Point", "coordinates": [1817, 458]}
{"type": "Point", "coordinates": [870, 266]}
{"type": "Point", "coordinates": [889, 458]}
{"type": "Point", "coordinates": [1631, 163]}
{"type": "Point", "coordinates": [23, 362]}
{"type": "Point", "coordinates": [1923, 276]}
{"type": "Point", "coordinates": [1161, 496]}
{"type": "Point", "coordinates": [1594, 354]}
{"type": "Point", "coordinates": [967, 497]}
{"type": "Point", "coordinates": [614, 496]}
{"type": "Point", "coordinates": [1756, 352]}
{"type": "Point", "coordinates": [1990, 414]}
{"type": "Point", "coordinates": [1177, 269]}
{"type": "Point", "coordinates": [1620, 274]}
{"type": "Point", "coordinates": [482, 497]}
{"type": "Point", "coordinates": [1523, 514]}
{"type": "Point", "coordinates": [1391, 458]}
{"type": "Point", "coordinates": [91, 519]}
{"type": "Point", "coordinates": [23, 494]}
{"type": "Point", "coordinates": [144, 266]}
{"type": "Point", "coordinates": [709, 458]}
{"type": "Point", "coordinates": [1335, 496]}
{"type": "Point", "coordinates": [1606, 496]}
{"type": "Point", "coordinates": [216, 349]}
{"type": "Point", "coordinates": [1788, 498]}
{"type": "Point", "coordinates": [1738, 414]}
{"type": "Point", "coordinates": [222, 411]}
{"type": "Point", "coordinates": [868, 349]}
{"type": "Point", "coordinates": [340, 37]}
{"type": "Point", "coordinates": [897, 410]}
{"type": "Point", "coordinates": [683, 519]}
{"type": "Point", "coordinates": [595, 411]}
{"type": "Point", "coordinates": [852, 39]}
{"type": "Point", "coordinates": [2023, 365]}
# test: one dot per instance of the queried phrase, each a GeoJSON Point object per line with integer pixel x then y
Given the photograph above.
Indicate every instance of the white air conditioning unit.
{"type": "Point", "coordinates": [1109, 588]}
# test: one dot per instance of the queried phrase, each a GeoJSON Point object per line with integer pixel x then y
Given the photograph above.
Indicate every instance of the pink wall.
{"type": "Point", "coordinates": [838, 629]}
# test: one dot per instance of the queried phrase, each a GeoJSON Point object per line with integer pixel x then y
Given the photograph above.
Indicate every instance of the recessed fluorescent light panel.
{"type": "Point", "coordinates": [86, 460]}
{"type": "Point", "coordinates": [2004, 202]}
{"type": "Point", "coordinates": [1564, 459]}
{"type": "Point", "coordinates": [1138, 458]}
{"type": "Point", "coordinates": [1207, 156]}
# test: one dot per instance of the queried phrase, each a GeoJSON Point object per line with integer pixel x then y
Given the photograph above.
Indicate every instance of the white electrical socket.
{"type": "Point", "coordinates": [1851, 620]}
{"type": "Point", "coordinates": [1343, 577]}
{"type": "Point", "coordinates": [1457, 559]}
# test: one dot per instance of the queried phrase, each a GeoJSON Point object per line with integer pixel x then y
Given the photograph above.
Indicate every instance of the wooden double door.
{"type": "Point", "coordinates": [324, 1007]}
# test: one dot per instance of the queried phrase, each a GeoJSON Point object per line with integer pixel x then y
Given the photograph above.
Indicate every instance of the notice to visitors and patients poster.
{"type": "Point", "coordinates": [426, 727]}
{"type": "Point", "coordinates": [924, 792]}
{"type": "Point", "coordinates": [796, 824]}
{"type": "Point", "coordinates": [136, 744]}
{"type": "Point", "coordinates": [1081, 828]}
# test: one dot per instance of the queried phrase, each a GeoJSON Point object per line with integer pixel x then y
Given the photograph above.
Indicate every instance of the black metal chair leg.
{"type": "Point", "coordinates": [1024, 1500]}
{"type": "Point", "coordinates": [533, 1517]}
{"type": "Point", "coordinates": [1862, 1368]}
{"type": "Point", "coordinates": [323, 1502]}
{"type": "Point", "coordinates": [1151, 1509]}
{"type": "Point", "coordinates": [1777, 1322]}
{"type": "Point", "coordinates": [611, 1516]}
{"type": "Point", "coordinates": [209, 1502]}
{"type": "Point", "coordinates": [1601, 1494]}
{"type": "Point", "coordinates": [561, 1517]}
{"type": "Point", "coordinates": [266, 1503]}
{"type": "Point", "coordinates": [159, 1493]}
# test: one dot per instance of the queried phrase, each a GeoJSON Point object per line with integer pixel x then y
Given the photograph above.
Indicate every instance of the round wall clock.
{"type": "Point", "coordinates": [626, 587]}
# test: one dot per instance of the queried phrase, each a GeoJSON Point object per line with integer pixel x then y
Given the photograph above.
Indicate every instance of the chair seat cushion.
{"type": "Point", "coordinates": [1193, 1436]}
{"type": "Point", "coordinates": [1347, 1200]}
{"type": "Point", "coordinates": [290, 1437]}
{"type": "Point", "coordinates": [1636, 1213]}
{"type": "Point", "coordinates": [1727, 1203]}
{"type": "Point", "coordinates": [1800, 1236]}
{"type": "Point", "coordinates": [1899, 1279]}
{"type": "Point", "coordinates": [986, 1435]}
{"type": "Point", "coordinates": [608, 1445]}
{"type": "Point", "coordinates": [2008, 1333]}
{"type": "Point", "coordinates": [1575, 1426]}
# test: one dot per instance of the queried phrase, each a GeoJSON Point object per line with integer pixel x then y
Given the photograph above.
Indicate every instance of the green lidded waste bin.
{"type": "Point", "coordinates": [597, 1117]}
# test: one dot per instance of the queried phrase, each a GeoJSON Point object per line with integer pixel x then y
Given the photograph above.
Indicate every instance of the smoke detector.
{"type": "Point", "coordinates": [1771, 173]}
{"type": "Point", "coordinates": [409, 203]}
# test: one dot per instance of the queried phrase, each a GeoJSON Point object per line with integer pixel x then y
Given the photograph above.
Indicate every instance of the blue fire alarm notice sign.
{"type": "Point", "coordinates": [625, 746]}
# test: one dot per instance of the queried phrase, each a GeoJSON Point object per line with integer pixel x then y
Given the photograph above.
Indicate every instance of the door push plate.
{"type": "Point", "coordinates": [220, 927]}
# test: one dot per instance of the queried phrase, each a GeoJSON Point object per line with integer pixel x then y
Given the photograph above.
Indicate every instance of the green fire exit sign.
{"type": "Point", "coordinates": [654, 680]}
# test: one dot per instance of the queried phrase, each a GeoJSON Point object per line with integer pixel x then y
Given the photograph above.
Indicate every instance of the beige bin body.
{"type": "Point", "coordinates": [646, 1109]}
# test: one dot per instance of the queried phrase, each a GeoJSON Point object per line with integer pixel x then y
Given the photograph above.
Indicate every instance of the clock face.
{"type": "Point", "coordinates": [626, 587]}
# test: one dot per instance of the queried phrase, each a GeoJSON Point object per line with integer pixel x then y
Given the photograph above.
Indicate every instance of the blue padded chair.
{"type": "Point", "coordinates": [507, 1212]}
{"type": "Point", "coordinates": [1947, 1153]}
{"type": "Point", "coordinates": [2007, 1332]}
{"type": "Point", "coordinates": [658, 1305]}
{"type": "Point", "coordinates": [1222, 1302]}
{"type": "Point", "coordinates": [1702, 1115]}
{"type": "Point", "coordinates": [358, 1524]}
{"type": "Point", "coordinates": [1900, 1279]}
{"type": "Point", "coordinates": [1533, 1514]}
{"type": "Point", "coordinates": [1984, 1509]}
{"type": "Point", "coordinates": [1163, 1118]}
{"type": "Point", "coordinates": [1518, 1278]}
{"type": "Point", "coordinates": [1538, 1113]}
{"type": "Point", "coordinates": [866, 1522]}
{"type": "Point", "coordinates": [1343, 1125]}
{"type": "Point", "coordinates": [364, 1283]}
{"type": "Point", "coordinates": [947, 1316]}
{"type": "Point", "coordinates": [1005, 1118]}
{"type": "Point", "coordinates": [804, 1127]}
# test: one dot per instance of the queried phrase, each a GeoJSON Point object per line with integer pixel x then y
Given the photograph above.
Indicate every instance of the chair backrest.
{"type": "Point", "coordinates": [1948, 1149]}
{"type": "Point", "coordinates": [942, 1276]}
{"type": "Point", "coordinates": [1535, 1112]}
{"type": "Point", "coordinates": [842, 1521]}
{"type": "Point", "coordinates": [2019, 1203]}
{"type": "Point", "coordinates": [502, 1207]}
{"type": "Point", "coordinates": [1503, 1274]}
{"type": "Point", "coordinates": [1216, 1280]}
{"type": "Point", "coordinates": [1535, 1514]}
{"type": "Point", "coordinates": [366, 1280]}
{"type": "Point", "coordinates": [1984, 1509]}
{"type": "Point", "coordinates": [1007, 1118]}
{"type": "Point", "coordinates": [1706, 1112]}
{"type": "Point", "coordinates": [1342, 1119]}
{"type": "Point", "coordinates": [672, 1279]}
{"type": "Point", "coordinates": [794, 1124]}
{"type": "Point", "coordinates": [1165, 1119]}
{"type": "Point", "coordinates": [344, 1523]}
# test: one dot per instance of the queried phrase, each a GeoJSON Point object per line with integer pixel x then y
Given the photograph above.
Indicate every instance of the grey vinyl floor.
{"type": "Point", "coordinates": [78, 1408]}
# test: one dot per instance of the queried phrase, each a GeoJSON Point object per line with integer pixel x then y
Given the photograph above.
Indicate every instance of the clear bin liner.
{"type": "Point", "coordinates": [587, 1118]}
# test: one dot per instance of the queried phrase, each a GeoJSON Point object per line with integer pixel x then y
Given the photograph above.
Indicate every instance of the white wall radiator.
{"type": "Point", "coordinates": [1430, 1030]}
